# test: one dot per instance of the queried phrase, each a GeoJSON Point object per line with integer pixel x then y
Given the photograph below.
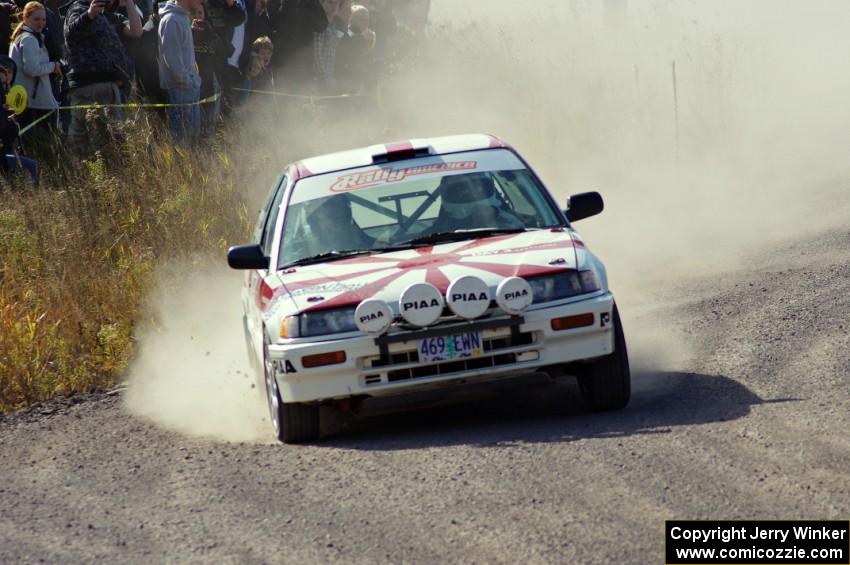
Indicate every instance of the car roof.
{"type": "Point", "coordinates": [395, 151]}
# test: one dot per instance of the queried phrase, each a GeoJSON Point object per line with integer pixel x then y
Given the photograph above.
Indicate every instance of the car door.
{"type": "Point", "coordinates": [258, 291]}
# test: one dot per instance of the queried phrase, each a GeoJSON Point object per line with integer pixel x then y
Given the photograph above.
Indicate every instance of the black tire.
{"type": "Point", "coordinates": [607, 383]}
{"type": "Point", "coordinates": [292, 422]}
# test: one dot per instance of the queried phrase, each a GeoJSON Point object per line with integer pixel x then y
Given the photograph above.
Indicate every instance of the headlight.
{"type": "Point", "coordinates": [589, 281]}
{"type": "Point", "coordinates": [563, 285]}
{"type": "Point", "coordinates": [324, 322]}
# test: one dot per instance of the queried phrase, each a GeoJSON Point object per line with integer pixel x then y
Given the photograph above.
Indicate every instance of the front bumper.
{"type": "Point", "coordinates": [512, 346]}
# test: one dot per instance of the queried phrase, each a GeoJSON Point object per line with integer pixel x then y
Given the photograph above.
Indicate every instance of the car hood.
{"type": "Point", "coordinates": [348, 282]}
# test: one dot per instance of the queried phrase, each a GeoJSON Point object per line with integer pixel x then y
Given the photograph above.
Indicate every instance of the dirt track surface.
{"type": "Point", "coordinates": [753, 426]}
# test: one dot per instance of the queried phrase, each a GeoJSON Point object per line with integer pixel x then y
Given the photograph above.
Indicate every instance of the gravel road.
{"type": "Point", "coordinates": [752, 424]}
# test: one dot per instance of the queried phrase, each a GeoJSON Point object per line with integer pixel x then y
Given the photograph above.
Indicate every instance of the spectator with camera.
{"type": "Point", "coordinates": [99, 65]}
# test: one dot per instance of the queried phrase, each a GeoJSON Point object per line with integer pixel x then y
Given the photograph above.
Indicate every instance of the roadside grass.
{"type": "Point", "coordinates": [78, 253]}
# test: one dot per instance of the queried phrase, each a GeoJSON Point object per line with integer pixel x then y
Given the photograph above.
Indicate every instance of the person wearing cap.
{"type": "Point", "coordinates": [12, 161]}
{"type": "Point", "coordinates": [333, 227]}
{"type": "Point", "coordinates": [470, 202]}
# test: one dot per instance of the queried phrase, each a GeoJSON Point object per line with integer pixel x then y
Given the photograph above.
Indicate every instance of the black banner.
{"type": "Point", "coordinates": [746, 542]}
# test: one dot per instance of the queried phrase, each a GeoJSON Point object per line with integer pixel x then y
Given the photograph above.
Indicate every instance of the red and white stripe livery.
{"type": "Point", "coordinates": [300, 313]}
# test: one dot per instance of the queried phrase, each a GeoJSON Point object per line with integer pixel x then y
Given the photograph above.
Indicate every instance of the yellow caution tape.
{"type": "Point", "coordinates": [96, 106]}
{"type": "Point", "coordinates": [207, 100]}
{"type": "Point", "coordinates": [301, 96]}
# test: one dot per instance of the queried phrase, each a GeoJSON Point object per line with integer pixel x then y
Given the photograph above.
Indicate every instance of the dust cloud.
{"type": "Point", "coordinates": [715, 130]}
{"type": "Point", "coordinates": [192, 373]}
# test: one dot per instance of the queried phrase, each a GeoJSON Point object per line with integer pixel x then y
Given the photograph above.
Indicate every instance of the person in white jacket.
{"type": "Point", "coordinates": [28, 51]}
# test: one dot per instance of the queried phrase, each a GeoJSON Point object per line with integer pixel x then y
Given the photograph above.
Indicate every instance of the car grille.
{"type": "Point", "coordinates": [491, 358]}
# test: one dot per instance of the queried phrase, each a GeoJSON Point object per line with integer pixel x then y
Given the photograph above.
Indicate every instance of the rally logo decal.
{"type": "Point", "coordinates": [356, 181]}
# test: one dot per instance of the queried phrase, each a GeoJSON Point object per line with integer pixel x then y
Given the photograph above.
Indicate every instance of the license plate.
{"type": "Point", "coordinates": [448, 347]}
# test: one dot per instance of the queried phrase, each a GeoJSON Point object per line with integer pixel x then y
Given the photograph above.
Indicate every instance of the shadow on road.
{"type": "Point", "coordinates": [552, 413]}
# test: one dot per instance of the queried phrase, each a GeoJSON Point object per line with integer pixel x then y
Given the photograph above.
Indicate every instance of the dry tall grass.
{"type": "Point", "coordinates": [77, 255]}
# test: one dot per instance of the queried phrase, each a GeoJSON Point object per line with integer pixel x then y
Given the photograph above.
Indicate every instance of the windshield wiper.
{"type": "Point", "coordinates": [458, 235]}
{"type": "Point", "coordinates": [329, 256]}
{"type": "Point", "coordinates": [438, 237]}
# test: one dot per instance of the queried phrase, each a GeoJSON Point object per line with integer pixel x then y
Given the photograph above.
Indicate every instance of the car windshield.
{"type": "Point", "coordinates": [422, 201]}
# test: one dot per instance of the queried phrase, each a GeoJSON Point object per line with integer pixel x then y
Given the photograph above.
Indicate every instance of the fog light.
{"type": "Point", "coordinates": [572, 322]}
{"type": "Point", "coordinates": [514, 295]}
{"type": "Point", "coordinates": [322, 359]}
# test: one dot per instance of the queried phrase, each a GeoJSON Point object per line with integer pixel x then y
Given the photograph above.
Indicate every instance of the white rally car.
{"type": "Point", "coordinates": [431, 263]}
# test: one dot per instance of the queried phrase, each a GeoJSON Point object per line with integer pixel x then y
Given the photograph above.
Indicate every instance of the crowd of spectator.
{"type": "Point", "coordinates": [204, 60]}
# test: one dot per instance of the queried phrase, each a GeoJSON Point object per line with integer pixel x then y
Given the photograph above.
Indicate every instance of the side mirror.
{"type": "Point", "coordinates": [584, 205]}
{"type": "Point", "coordinates": [247, 257]}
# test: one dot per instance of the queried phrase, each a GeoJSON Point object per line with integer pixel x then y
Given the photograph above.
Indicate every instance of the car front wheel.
{"type": "Point", "coordinates": [292, 422]}
{"type": "Point", "coordinates": [606, 383]}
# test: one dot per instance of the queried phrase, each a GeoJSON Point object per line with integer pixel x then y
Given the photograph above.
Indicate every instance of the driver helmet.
{"type": "Point", "coordinates": [463, 195]}
{"type": "Point", "coordinates": [336, 209]}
